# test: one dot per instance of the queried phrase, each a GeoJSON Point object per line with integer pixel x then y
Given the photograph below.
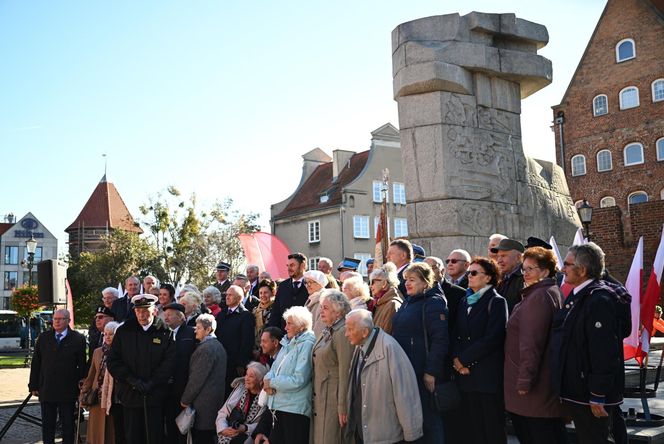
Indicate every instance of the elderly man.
{"type": "Point", "coordinates": [103, 315]}
{"type": "Point", "coordinates": [252, 275]}
{"type": "Point", "coordinates": [291, 291]}
{"type": "Point", "coordinates": [510, 254]}
{"type": "Point", "coordinates": [235, 331]}
{"type": "Point", "coordinates": [383, 397]}
{"type": "Point", "coordinates": [400, 253]}
{"type": "Point", "coordinates": [325, 266]}
{"type": "Point", "coordinates": [58, 365]}
{"type": "Point", "coordinates": [248, 300]}
{"type": "Point", "coordinates": [588, 368]}
{"type": "Point", "coordinates": [122, 307]}
{"type": "Point", "coordinates": [149, 281]}
{"type": "Point", "coordinates": [494, 240]}
{"type": "Point", "coordinates": [185, 342]}
{"type": "Point", "coordinates": [142, 361]}
{"type": "Point", "coordinates": [270, 344]}
{"type": "Point", "coordinates": [222, 282]}
{"type": "Point", "coordinates": [456, 269]}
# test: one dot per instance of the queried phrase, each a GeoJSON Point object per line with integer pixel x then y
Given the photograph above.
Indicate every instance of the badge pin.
{"type": "Point", "coordinates": [156, 341]}
{"type": "Point", "coordinates": [598, 324]}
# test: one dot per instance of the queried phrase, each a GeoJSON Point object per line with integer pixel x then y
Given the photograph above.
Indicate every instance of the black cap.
{"type": "Point", "coordinates": [102, 309]}
{"type": "Point", "coordinates": [537, 242]}
{"type": "Point", "coordinates": [174, 306]}
{"type": "Point", "coordinates": [223, 266]}
{"type": "Point", "coordinates": [507, 245]}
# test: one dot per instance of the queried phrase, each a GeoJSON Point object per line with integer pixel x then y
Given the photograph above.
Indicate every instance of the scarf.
{"type": "Point", "coordinates": [262, 314]}
{"type": "Point", "coordinates": [102, 367]}
{"type": "Point", "coordinates": [471, 297]}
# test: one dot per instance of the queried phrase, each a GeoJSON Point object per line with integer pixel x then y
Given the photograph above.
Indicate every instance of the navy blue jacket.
{"type": "Point", "coordinates": [408, 331]}
{"type": "Point", "coordinates": [185, 343]}
{"type": "Point", "coordinates": [236, 332]}
{"type": "Point", "coordinates": [478, 342]}
{"type": "Point", "coordinates": [587, 346]}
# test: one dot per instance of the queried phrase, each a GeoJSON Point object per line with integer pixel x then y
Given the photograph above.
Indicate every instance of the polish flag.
{"type": "Point", "coordinates": [556, 251]}
{"type": "Point", "coordinates": [651, 295]}
{"type": "Point", "coordinates": [378, 250]}
{"type": "Point", "coordinates": [632, 344]}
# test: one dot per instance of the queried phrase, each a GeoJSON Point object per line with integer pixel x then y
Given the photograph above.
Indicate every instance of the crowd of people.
{"type": "Point", "coordinates": [425, 350]}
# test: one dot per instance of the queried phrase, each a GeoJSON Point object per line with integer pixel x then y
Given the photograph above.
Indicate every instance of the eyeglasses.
{"type": "Point", "coordinates": [567, 264]}
{"type": "Point", "coordinates": [378, 280]}
{"type": "Point", "coordinates": [61, 319]}
{"type": "Point", "coordinates": [529, 269]}
{"type": "Point", "coordinates": [475, 272]}
{"type": "Point", "coordinates": [308, 282]}
{"type": "Point", "coordinates": [454, 261]}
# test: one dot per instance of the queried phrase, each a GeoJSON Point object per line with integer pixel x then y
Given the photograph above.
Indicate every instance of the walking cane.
{"type": "Point", "coordinates": [145, 416]}
{"type": "Point", "coordinates": [78, 423]}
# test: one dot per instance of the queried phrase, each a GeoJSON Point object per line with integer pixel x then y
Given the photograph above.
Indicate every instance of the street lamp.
{"type": "Point", "coordinates": [31, 247]}
{"type": "Point", "coordinates": [586, 216]}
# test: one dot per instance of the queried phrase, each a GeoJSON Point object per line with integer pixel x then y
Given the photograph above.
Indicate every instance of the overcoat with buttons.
{"type": "Point", "coordinates": [331, 358]}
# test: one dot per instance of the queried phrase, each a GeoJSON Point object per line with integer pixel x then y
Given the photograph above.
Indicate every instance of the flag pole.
{"type": "Point", "coordinates": [383, 215]}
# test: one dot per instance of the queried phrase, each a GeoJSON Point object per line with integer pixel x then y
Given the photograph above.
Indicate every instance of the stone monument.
{"type": "Point", "coordinates": [459, 81]}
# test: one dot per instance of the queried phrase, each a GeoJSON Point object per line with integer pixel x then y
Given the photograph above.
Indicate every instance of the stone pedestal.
{"type": "Point", "coordinates": [459, 81]}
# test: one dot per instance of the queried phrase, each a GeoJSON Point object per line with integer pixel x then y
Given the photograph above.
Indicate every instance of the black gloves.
{"type": "Point", "coordinates": [143, 387]}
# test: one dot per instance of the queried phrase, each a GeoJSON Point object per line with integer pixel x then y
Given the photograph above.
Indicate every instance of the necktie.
{"type": "Point", "coordinates": [58, 337]}
{"type": "Point", "coordinates": [296, 284]}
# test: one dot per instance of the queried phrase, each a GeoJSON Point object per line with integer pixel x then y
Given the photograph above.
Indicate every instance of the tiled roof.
{"type": "Point", "coordinates": [4, 227]}
{"type": "Point", "coordinates": [308, 196]}
{"type": "Point", "coordinates": [105, 208]}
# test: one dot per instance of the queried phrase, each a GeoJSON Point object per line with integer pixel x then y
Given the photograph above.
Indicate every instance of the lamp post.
{"type": "Point", "coordinates": [586, 216]}
{"type": "Point", "coordinates": [31, 247]}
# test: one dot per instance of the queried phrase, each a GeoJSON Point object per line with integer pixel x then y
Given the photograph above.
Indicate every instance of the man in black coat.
{"type": "Point", "coordinates": [249, 301]}
{"type": "Point", "coordinates": [185, 342]}
{"type": "Point", "coordinates": [142, 361]}
{"type": "Point", "coordinates": [400, 253]}
{"type": "Point", "coordinates": [122, 307]}
{"type": "Point", "coordinates": [252, 275]}
{"type": "Point", "coordinates": [222, 282]}
{"type": "Point", "coordinates": [235, 331]}
{"type": "Point", "coordinates": [510, 260]}
{"type": "Point", "coordinates": [58, 366]}
{"type": "Point", "coordinates": [291, 291]}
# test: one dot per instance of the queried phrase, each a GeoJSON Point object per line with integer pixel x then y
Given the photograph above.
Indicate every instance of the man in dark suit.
{"type": "Point", "coordinates": [456, 269]}
{"type": "Point", "coordinates": [400, 253]}
{"type": "Point", "coordinates": [249, 301]}
{"type": "Point", "coordinates": [510, 259]}
{"type": "Point", "coordinates": [235, 331]}
{"type": "Point", "coordinates": [291, 291]}
{"type": "Point", "coordinates": [122, 307]}
{"type": "Point", "coordinates": [58, 366]}
{"type": "Point", "coordinates": [223, 282]}
{"type": "Point", "coordinates": [185, 342]}
{"type": "Point", "coordinates": [252, 275]}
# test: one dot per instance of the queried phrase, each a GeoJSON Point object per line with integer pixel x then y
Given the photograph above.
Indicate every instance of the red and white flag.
{"type": "Point", "coordinates": [579, 238]}
{"type": "Point", "coordinates": [378, 250]}
{"type": "Point", "coordinates": [651, 295]}
{"type": "Point", "coordinates": [632, 344]}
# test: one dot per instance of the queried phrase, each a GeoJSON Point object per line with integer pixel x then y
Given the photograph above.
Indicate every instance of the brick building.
{"type": "Point", "coordinates": [609, 129]}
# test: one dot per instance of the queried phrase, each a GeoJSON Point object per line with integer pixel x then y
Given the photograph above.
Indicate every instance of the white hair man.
{"type": "Point", "coordinates": [123, 307]}
{"type": "Point", "coordinates": [494, 240]}
{"type": "Point", "coordinates": [456, 268]}
{"type": "Point", "coordinates": [377, 372]}
{"type": "Point", "coordinates": [252, 273]}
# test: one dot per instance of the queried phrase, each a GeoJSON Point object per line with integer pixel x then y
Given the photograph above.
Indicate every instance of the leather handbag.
{"type": "Point", "coordinates": [445, 396]}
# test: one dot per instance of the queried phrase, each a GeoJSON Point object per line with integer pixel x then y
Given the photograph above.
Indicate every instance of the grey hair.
{"type": "Point", "coordinates": [156, 281]}
{"type": "Point", "coordinates": [300, 316]}
{"type": "Point", "coordinates": [207, 321]}
{"type": "Point", "coordinates": [187, 288]}
{"type": "Point", "coordinates": [111, 326]}
{"type": "Point", "coordinates": [214, 293]}
{"type": "Point", "coordinates": [337, 299]}
{"type": "Point", "coordinates": [195, 298]}
{"type": "Point", "coordinates": [349, 274]}
{"type": "Point", "coordinates": [112, 290]}
{"type": "Point", "coordinates": [134, 278]}
{"type": "Point", "coordinates": [589, 256]}
{"type": "Point", "coordinates": [327, 260]}
{"type": "Point", "coordinates": [357, 288]}
{"type": "Point", "coordinates": [388, 272]}
{"type": "Point", "coordinates": [364, 318]}
{"type": "Point", "coordinates": [239, 291]}
{"type": "Point", "coordinates": [64, 312]}
{"type": "Point", "coordinates": [259, 369]}
{"type": "Point", "coordinates": [464, 253]}
{"type": "Point", "coordinates": [253, 267]}
{"type": "Point", "coordinates": [497, 236]}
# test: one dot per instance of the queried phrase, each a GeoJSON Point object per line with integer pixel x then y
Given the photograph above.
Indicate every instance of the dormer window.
{"type": "Point", "coordinates": [625, 50]}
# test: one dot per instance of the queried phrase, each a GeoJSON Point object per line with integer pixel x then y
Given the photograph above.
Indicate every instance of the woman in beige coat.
{"type": "Point", "coordinates": [100, 423]}
{"type": "Point", "coordinates": [331, 358]}
{"type": "Point", "coordinates": [315, 282]}
{"type": "Point", "coordinates": [386, 296]}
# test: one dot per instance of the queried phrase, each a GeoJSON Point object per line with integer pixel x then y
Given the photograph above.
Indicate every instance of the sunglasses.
{"type": "Point", "coordinates": [454, 261]}
{"type": "Point", "coordinates": [475, 272]}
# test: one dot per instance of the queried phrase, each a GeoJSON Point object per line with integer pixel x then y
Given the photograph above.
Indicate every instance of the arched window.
{"type": "Point", "coordinates": [637, 197]}
{"type": "Point", "coordinates": [607, 201]}
{"type": "Point", "coordinates": [658, 90]}
{"type": "Point", "coordinates": [660, 148]}
{"type": "Point", "coordinates": [625, 50]}
{"type": "Point", "coordinates": [629, 97]}
{"type": "Point", "coordinates": [578, 165]}
{"type": "Point", "coordinates": [633, 154]}
{"type": "Point", "coordinates": [604, 162]}
{"type": "Point", "coordinates": [661, 194]}
{"type": "Point", "coordinates": [600, 105]}
{"type": "Point", "coordinates": [578, 204]}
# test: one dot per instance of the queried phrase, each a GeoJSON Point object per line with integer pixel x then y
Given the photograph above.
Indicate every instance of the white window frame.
{"type": "Point", "coordinates": [376, 186]}
{"type": "Point", "coordinates": [640, 192]}
{"type": "Point", "coordinates": [595, 107]}
{"type": "Point", "coordinates": [660, 144]}
{"type": "Point", "coordinates": [576, 173]}
{"type": "Point", "coordinates": [361, 227]}
{"type": "Point", "coordinates": [620, 97]}
{"type": "Point", "coordinates": [618, 59]}
{"type": "Point", "coordinates": [313, 263]}
{"type": "Point", "coordinates": [313, 236]}
{"type": "Point", "coordinates": [362, 267]}
{"type": "Point", "coordinates": [603, 203]}
{"type": "Point", "coordinates": [399, 224]}
{"type": "Point", "coordinates": [625, 154]}
{"type": "Point", "coordinates": [610, 161]}
{"type": "Point", "coordinates": [400, 197]}
{"type": "Point", "coordinates": [652, 88]}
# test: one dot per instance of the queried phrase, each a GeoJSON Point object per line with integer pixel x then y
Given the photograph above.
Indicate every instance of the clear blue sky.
{"type": "Point", "coordinates": [219, 98]}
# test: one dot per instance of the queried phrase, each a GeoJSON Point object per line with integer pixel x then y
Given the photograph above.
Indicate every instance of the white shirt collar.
{"type": "Point", "coordinates": [175, 330]}
{"type": "Point", "coordinates": [64, 333]}
{"type": "Point", "coordinates": [581, 286]}
{"type": "Point", "coordinates": [402, 267]}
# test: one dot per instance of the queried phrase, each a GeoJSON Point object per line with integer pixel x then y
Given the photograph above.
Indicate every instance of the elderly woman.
{"type": "Point", "coordinates": [262, 312]}
{"type": "Point", "coordinates": [386, 296]}
{"type": "Point", "coordinates": [99, 381]}
{"type": "Point", "coordinates": [204, 391]}
{"type": "Point", "coordinates": [424, 312]}
{"type": "Point", "coordinates": [192, 306]}
{"type": "Point", "coordinates": [315, 282]}
{"type": "Point", "coordinates": [332, 354]}
{"type": "Point", "coordinates": [212, 299]}
{"type": "Point", "coordinates": [288, 383]}
{"type": "Point", "coordinates": [241, 412]}
{"type": "Point", "coordinates": [108, 296]}
{"type": "Point", "coordinates": [529, 398]}
{"type": "Point", "coordinates": [477, 348]}
{"type": "Point", "coordinates": [357, 292]}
